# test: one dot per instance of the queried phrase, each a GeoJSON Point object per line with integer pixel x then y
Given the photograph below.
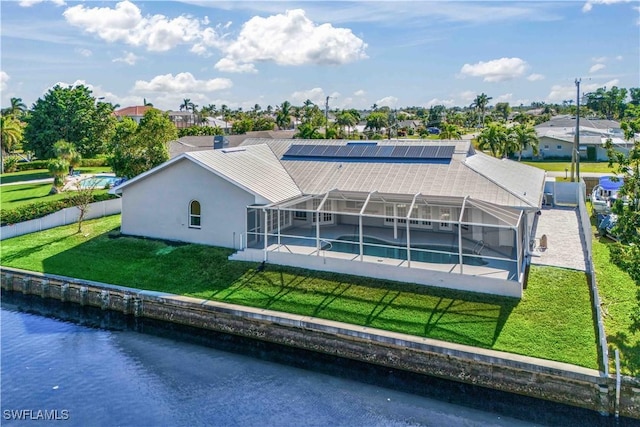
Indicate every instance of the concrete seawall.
{"type": "Point", "coordinates": [538, 378]}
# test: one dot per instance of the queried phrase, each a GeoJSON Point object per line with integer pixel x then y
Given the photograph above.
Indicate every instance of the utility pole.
{"type": "Point", "coordinates": [577, 136]}
{"type": "Point", "coordinates": [326, 118]}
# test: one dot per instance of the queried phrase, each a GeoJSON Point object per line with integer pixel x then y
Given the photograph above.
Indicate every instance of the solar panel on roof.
{"type": "Point", "coordinates": [414, 152]}
{"type": "Point", "coordinates": [344, 151]}
{"type": "Point", "coordinates": [293, 150]}
{"type": "Point", "coordinates": [381, 153]}
{"type": "Point", "coordinates": [400, 151]}
{"type": "Point", "coordinates": [429, 152]}
{"type": "Point", "coordinates": [305, 150]}
{"type": "Point", "coordinates": [445, 152]}
{"type": "Point", "coordinates": [369, 151]}
{"type": "Point", "coordinates": [317, 150]}
{"type": "Point", "coordinates": [384, 151]}
{"type": "Point", "coordinates": [359, 151]}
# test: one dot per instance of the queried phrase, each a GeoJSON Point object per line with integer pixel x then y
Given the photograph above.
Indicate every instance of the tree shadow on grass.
{"type": "Point", "coordinates": [630, 353]}
{"type": "Point", "coordinates": [442, 319]}
{"type": "Point", "coordinates": [31, 250]}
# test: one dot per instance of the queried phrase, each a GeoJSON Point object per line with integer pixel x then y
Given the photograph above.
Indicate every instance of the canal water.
{"type": "Point", "coordinates": [67, 365]}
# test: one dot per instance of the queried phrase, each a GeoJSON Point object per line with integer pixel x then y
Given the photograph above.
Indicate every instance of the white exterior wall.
{"type": "Point", "coordinates": [158, 206]}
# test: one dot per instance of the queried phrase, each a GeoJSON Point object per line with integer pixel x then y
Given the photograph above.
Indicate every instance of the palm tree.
{"type": "Point", "coordinates": [283, 115]}
{"type": "Point", "coordinates": [10, 136]}
{"type": "Point", "coordinates": [58, 168]}
{"type": "Point", "coordinates": [522, 117]}
{"type": "Point", "coordinates": [346, 119]}
{"type": "Point", "coordinates": [376, 121]}
{"type": "Point", "coordinates": [66, 151]}
{"type": "Point", "coordinates": [494, 138]}
{"type": "Point", "coordinates": [11, 133]}
{"type": "Point", "coordinates": [450, 131]}
{"type": "Point", "coordinates": [524, 135]}
{"type": "Point", "coordinates": [481, 103]}
{"type": "Point", "coordinates": [146, 103]}
{"type": "Point", "coordinates": [186, 104]}
{"type": "Point", "coordinates": [17, 108]}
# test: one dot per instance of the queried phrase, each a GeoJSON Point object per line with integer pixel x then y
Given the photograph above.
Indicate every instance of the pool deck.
{"type": "Point", "coordinates": [304, 243]}
{"type": "Point", "coordinates": [565, 245]}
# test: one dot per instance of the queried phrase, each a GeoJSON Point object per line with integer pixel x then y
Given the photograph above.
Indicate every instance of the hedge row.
{"type": "Point", "coordinates": [42, 164]}
{"type": "Point", "coordinates": [40, 209]}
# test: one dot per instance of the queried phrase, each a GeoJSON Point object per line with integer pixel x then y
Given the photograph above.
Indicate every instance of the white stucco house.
{"type": "Point", "coordinates": [428, 212]}
{"type": "Point", "coordinates": [556, 138]}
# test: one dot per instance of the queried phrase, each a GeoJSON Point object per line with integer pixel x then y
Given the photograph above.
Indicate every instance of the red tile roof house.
{"type": "Point", "coordinates": [136, 112]}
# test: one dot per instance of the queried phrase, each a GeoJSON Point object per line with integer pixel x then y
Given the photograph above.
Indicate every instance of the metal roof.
{"type": "Point", "coordinates": [481, 177]}
{"type": "Point", "coordinates": [255, 169]}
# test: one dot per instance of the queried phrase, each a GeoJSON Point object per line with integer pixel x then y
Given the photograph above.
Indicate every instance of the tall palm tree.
{"type": "Point", "coordinates": [10, 133]}
{"type": "Point", "coordinates": [346, 118]}
{"type": "Point", "coordinates": [524, 135]}
{"type": "Point", "coordinates": [481, 103]}
{"type": "Point", "coordinates": [376, 121]}
{"type": "Point", "coordinates": [16, 109]}
{"type": "Point", "coordinates": [283, 115]}
{"type": "Point", "coordinates": [494, 138]}
{"type": "Point", "coordinates": [146, 103]}
{"type": "Point", "coordinates": [186, 104]}
{"type": "Point", "coordinates": [450, 131]}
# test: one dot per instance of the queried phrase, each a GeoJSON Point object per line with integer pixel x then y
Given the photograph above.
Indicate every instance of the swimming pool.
{"type": "Point", "coordinates": [436, 254]}
{"type": "Point", "coordinates": [100, 181]}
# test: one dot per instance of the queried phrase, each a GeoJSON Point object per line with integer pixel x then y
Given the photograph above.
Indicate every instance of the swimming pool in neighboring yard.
{"type": "Point", "coordinates": [436, 254]}
{"type": "Point", "coordinates": [101, 181]}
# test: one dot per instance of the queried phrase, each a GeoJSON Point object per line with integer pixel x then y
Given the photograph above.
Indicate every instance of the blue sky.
{"type": "Point", "coordinates": [394, 53]}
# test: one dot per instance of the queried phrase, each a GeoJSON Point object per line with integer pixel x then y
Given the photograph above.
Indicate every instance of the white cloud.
{"type": "Point", "coordinates": [619, 57]}
{"type": "Point", "coordinates": [387, 101]}
{"type": "Point", "coordinates": [292, 39]}
{"type": "Point", "coordinates": [4, 78]}
{"type": "Point", "coordinates": [128, 58]}
{"type": "Point", "coordinates": [596, 67]}
{"type": "Point", "coordinates": [503, 98]}
{"type": "Point", "coordinates": [467, 96]}
{"type": "Point", "coordinates": [436, 101]}
{"type": "Point", "coordinates": [359, 92]}
{"type": "Point", "coordinates": [315, 95]}
{"type": "Point", "coordinates": [29, 3]}
{"type": "Point", "coordinates": [589, 4]}
{"type": "Point", "coordinates": [497, 70]}
{"type": "Point", "coordinates": [560, 93]}
{"type": "Point", "coordinates": [535, 77]}
{"type": "Point", "coordinates": [181, 83]}
{"type": "Point", "coordinates": [84, 52]}
{"type": "Point", "coordinates": [125, 23]}
{"type": "Point", "coordinates": [227, 65]}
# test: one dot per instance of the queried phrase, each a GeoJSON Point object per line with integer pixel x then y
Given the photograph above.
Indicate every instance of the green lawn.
{"type": "Point", "coordinates": [599, 167]}
{"type": "Point", "coordinates": [12, 196]}
{"type": "Point", "coordinates": [552, 321]}
{"type": "Point", "coordinates": [618, 296]}
{"type": "Point", "coordinates": [8, 178]}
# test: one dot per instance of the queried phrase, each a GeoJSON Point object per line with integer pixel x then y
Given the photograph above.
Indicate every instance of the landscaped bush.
{"type": "Point", "coordinates": [10, 164]}
{"type": "Point", "coordinates": [32, 165]}
{"type": "Point", "coordinates": [40, 209]}
{"type": "Point", "coordinates": [101, 161]}
{"type": "Point", "coordinates": [42, 164]}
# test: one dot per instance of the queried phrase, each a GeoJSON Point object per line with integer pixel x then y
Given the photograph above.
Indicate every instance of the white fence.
{"type": "Point", "coordinates": [63, 217]}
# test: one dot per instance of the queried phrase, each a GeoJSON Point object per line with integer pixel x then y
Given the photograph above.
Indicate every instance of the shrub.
{"type": "Point", "coordinates": [102, 161]}
{"type": "Point", "coordinates": [11, 164]}
{"type": "Point", "coordinates": [32, 165]}
{"type": "Point", "coordinates": [40, 209]}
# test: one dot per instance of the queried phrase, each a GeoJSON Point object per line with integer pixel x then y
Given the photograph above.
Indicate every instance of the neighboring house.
{"type": "Point", "coordinates": [436, 213]}
{"type": "Point", "coordinates": [557, 137]}
{"type": "Point", "coordinates": [136, 112]}
{"type": "Point", "coordinates": [183, 119]}
{"type": "Point", "coordinates": [199, 143]}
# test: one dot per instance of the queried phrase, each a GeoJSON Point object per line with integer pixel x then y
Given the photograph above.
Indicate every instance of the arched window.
{"type": "Point", "coordinates": [194, 214]}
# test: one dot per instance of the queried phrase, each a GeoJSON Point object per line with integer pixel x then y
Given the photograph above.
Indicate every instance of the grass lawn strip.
{"type": "Point", "coordinates": [596, 167]}
{"type": "Point", "coordinates": [13, 196]}
{"type": "Point", "coordinates": [30, 175]}
{"type": "Point", "coordinates": [553, 320]}
{"type": "Point", "coordinates": [618, 296]}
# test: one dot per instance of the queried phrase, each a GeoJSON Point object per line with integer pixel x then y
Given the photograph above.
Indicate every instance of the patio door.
{"type": "Point", "coordinates": [325, 217]}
